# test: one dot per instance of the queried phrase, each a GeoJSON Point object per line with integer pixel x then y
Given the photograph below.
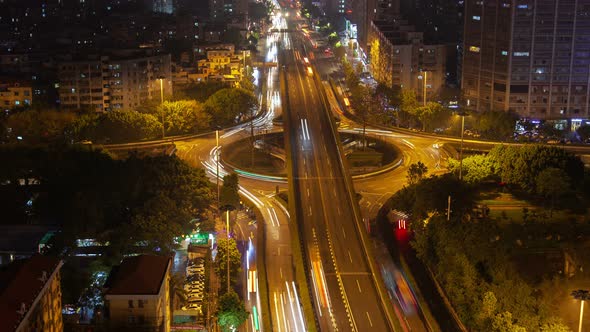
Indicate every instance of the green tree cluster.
{"type": "Point", "coordinates": [38, 126]}
{"type": "Point", "coordinates": [521, 165]}
{"type": "Point", "coordinates": [472, 261]}
{"type": "Point", "coordinates": [235, 261]}
{"type": "Point", "coordinates": [116, 127]}
{"type": "Point", "coordinates": [125, 202]}
{"type": "Point", "coordinates": [232, 312]}
{"type": "Point", "coordinates": [226, 106]}
{"type": "Point", "coordinates": [498, 125]}
{"type": "Point", "coordinates": [430, 195]}
{"type": "Point", "coordinates": [183, 117]}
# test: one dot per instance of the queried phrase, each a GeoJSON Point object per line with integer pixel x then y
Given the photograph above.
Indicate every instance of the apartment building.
{"type": "Point", "coordinates": [137, 294]}
{"type": "Point", "coordinates": [399, 57]}
{"type": "Point", "coordinates": [105, 83]}
{"type": "Point", "coordinates": [14, 94]}
{"type": "Point", "coordinates": [530, 56]}
{"type": "Point", "coordinates": [30, 295]}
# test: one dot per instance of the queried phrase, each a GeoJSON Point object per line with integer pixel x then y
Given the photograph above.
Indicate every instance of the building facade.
{"type": "Point", "coordinates": [30, 295]}
{"type": "Point", "coordinates": [137, 294]}
{"type": "Point", "coordinates": [15, 94]}
{"type": "Point", "coordinates": [109, 83]}
{"type": "Point", "coordinates": [529, 56]}
{"type": "Point", "coordinates": [399, 57]}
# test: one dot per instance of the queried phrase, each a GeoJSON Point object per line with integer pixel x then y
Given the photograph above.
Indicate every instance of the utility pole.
{"type": "Point", "coordinates": [461, 150]}
{"type": "Point", "coordinates": [424, 97]}
{"type": "Point", "coordinates": [162, 105]}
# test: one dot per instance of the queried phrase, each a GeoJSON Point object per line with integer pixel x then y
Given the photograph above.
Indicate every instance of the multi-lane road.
{"type": "Point", "coordinates": [346, 292]}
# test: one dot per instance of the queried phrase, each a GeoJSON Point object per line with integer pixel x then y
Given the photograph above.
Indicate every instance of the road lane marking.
{"type": "Point", "coordinates": [307, 192]}
{"type": "Point", "coordinates": [358, 285]}
{"type": "Point", "coordinates": [344, 233]}
{"type": "Point", "coordinates": [349, 256]}
{"type": "Point", "coordinates": [310, 210]}
{"type": "Point", "coordinates": [338, 208]}
{"type": "Point", "coordinates": [277, 310]}
{"type": "Point", "coordinates": [281, 272]}
{"type": "Point", "coordinates": [369, 318]}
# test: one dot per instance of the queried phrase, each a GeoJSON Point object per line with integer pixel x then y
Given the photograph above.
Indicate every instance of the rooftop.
{"type": "Point", "coordinates": [20, 284]}
{"type": "Point", "coordinates": [138, 275]}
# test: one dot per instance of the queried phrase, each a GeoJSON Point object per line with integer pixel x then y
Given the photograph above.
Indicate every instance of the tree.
{"type": "Point", "coordinates": [408, 106]}
{"type": "Point", "coordinates": [416, 172]}
{"type": "Point", "coordinates": [497, 124]}
{"type": "Point", "coordinates": [521, 165]}
{"type": "Point", "coordinates": [365, 106]}
{"type": "Point", "coordinates": [183, 116]}
{"type": "Point", "coordinates": [177, 293]}
{"type": "Point", "coordinates": [229, 197]}
{"type": "Point", "coordinates": [247, 82]}
{"type": "Point", "coordinates": [427, 114]}
{"type": "Point", "coordinates": [503, 322]}
{"type": "Point", "coordinates": [35, 127]}
{"type": "Point", "coordinates": [232, 312]}
{"type": "Point", "coordinates": [226, 105]}
{"type": "Point", "coordinates": [476, 169]}
{"type": "Point", "coordinates": [199, 91]}
{"type": "Point", "coordinates": [117, 127]}
{"type": "Point", "coordinates": [552, 183]}
{"type": "Point", "coordinates": [235, 261]}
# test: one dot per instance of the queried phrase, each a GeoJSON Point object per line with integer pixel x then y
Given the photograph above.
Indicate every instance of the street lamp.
{"type": "Point", "coordinates": [162, 104]}
{"type": "Point", "coordinates": [462, 114]}
{"type": "Point", "coordinates": [424, 78]}
{"type": "Point", "coordinates": [582, 295]}
{"type": "Point", "coordinates": [227, 227]}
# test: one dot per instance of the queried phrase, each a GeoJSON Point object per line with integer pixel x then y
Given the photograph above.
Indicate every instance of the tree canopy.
{"type": "Point", "coordinates": [116, 127]}
{"type": "Point", "coordinates": [91, 195]}
{"type": "Point", "coordinates": [184, 117]}
{"type": "Point", "coordinates": [235, 261]}
{"type": "Point", "coordinates": [35, 126]}
{"type": "Point", "coordinates": [227, 105]}
{"type": "Point", "coordinates": [232, 312]}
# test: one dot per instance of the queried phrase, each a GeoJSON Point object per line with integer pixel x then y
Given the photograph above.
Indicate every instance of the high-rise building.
{"type": "Point", "coordinates": [530, 56]}
{"type": "Point", "coordinates": [30, 295]}
{"type": "Point", "coordinates": [105, 83]}
{"type": "Point", "coordinates": [363, 12]}
{"type": "Point", "coordinates": [399, 57]}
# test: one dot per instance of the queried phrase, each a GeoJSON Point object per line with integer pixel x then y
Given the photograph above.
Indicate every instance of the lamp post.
{"type": "Point", "coordinates": [582, 295]}
{"type": "Point", "coordinates": [462, 114]}
{"type": "Point", "coordinates": [162, 104]}
{"type": "Point", "coordinates": [425, 78]}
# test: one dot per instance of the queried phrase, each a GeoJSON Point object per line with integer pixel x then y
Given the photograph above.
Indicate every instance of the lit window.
{"type": "Point", "coordinates": [504, 52]}
{"type": "Point", "coordinates": [474, 49]}
{"type": "Point", "coordinates": [521, 53]}
{"type": "Point", "coordinates": [477, 18]}
{"type": "Point", "coordinates": [523, 6]}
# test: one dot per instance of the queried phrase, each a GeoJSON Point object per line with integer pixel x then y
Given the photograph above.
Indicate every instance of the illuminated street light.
{"type": "Point", "coordinates": [582, 295]}
{"type": "Point", "coordinates": [162, 104]}
{"type": "Point", "coordinates": [462, 115]}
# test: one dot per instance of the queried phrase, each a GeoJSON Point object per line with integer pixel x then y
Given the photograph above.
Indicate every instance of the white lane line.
{"type": "Point", "coordinates": [338, 208]}
{"type": "Point", "coordinates": [281, 272]}
{"type": "Point", "coordinates": [310, 210]}
{"type": "Point", "coordinates": [358, 284]}
{"type": "Point", "coordinates": [277, 311]}
{"type": "Point", "coordinates": [369, 318]}
{"type": "Point", "coordinates": [284, 314]}
{"type": "Point", "coordinates": [344, 233]}
{"type": "Point", "coordinates": [349, 256]}
{"type": "Point", "coordinates": [307, 192]}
